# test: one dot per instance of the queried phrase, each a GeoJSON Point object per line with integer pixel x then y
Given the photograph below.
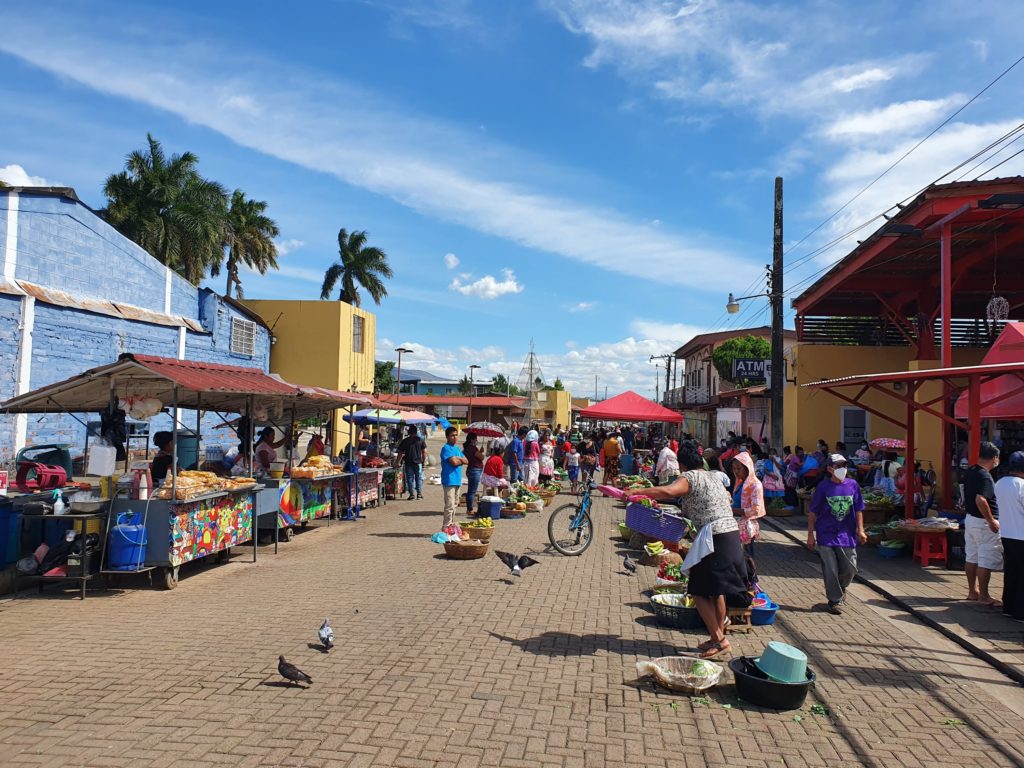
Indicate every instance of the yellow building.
{"type": "Point", "coordinates": [321, 343]}
{"type": "Point", "coordinates": [552, 406]}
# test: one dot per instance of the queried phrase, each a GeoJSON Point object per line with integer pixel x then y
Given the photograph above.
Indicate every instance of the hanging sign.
{"type": "Point", "coordinates": [749, 369]}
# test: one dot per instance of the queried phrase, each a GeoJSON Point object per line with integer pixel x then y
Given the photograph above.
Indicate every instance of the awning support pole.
{"type": "Point", "coordinates": [946, 273]}
{"type": "Point", "coordinates": [255, 520]}
{"type": "Point", "coordinates": [909, 475]}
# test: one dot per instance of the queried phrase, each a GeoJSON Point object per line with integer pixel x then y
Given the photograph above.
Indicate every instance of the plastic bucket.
{"type": "Point", "coordinates": [762, 616]}
{"type": "Point", "coordinates": [753, 686]}
{"type": "Point", "coordinates": [127, 543]}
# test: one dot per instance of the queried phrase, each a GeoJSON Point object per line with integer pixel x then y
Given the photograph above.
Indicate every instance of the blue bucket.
{"type": "Point", "coordinates": [127, 543]}
{"type": "Point", "coordinates": [762, 616]}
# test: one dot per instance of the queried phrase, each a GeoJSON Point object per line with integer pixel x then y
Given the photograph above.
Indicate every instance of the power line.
{"type": "Point", "coordinates": [907, 154]}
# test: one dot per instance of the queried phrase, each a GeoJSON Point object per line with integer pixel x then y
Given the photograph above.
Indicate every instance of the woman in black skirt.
{"type": "Point", "coordinates": [722, 573]}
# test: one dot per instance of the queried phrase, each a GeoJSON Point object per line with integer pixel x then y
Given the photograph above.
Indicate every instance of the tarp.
{"type": "Point", "coordinates": [1008, 348]}
{"type": "Point", "coordinates": [629, 406]}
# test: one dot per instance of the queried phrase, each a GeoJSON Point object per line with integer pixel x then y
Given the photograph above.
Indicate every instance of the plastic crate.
{"type": "Point", "coordinates": [653, 522]}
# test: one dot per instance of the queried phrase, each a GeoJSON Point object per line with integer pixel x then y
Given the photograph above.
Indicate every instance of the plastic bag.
{"type": "Point", "coordinates": [102, 458]}
{"type": "Point", "coordinates": [685, 673]}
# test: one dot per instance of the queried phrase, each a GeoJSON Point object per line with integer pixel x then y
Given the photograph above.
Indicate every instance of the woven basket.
{"type": "Point", "coordinates": [778, 512]}
{"type": "Point", "coordinates": [661, 557]}
{"type": "Point", "coordinates": [466, 550]}
{"type": "Point", "coordinates": [479, 534]}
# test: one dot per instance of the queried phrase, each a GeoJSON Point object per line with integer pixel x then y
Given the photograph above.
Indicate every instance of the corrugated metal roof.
{"type": "Point", "coordinates": [212, 377]}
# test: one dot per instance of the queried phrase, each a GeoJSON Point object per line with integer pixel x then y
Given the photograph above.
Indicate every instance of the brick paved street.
{"type": "Point", "coordinates": [445, 663]}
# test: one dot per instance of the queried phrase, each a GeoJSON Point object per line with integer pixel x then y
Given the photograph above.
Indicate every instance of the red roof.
{"type": "Point", "coordinates": [1002, 396]}
{"type": "Point", "coordinates": [212, 377]}
{"type": "Point", "coordinates": [629, 406]}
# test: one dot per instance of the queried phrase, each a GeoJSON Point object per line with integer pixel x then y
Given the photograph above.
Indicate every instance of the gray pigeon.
{"type": "Point", "coordinates": [326, 634]}
{"type": "Point", "coordinates": [629, 565]}
{"type": "Point", "coordinates": [515, 563]}
{"type": "Point", "coordinates": [291, 673]}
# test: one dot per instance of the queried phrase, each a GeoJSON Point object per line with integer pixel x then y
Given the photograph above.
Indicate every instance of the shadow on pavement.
{"type": "Point", "coordinates": [401, 535]}
{"type": "Point", "coordinates": [568, 644]}
{"type": "Point", "coordinates": [421, 513]}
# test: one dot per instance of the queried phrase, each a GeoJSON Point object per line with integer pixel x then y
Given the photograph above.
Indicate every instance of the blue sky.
{"type": "Point", "coordinates": [600, 171]}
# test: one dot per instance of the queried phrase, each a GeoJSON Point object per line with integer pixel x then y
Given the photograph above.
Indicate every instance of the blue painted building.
{"type": "Point", "coordinates": [419, 382]}
{"type": "Point", "coordinates": [75, 294]}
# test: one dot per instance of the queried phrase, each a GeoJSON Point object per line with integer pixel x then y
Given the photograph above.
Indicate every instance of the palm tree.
{"type": "Point", "coordinates": [249, 239]}
{"type": "Point", "coordinates": [360, 266]}
{"type": "Point", "coordinates": [165, 206]}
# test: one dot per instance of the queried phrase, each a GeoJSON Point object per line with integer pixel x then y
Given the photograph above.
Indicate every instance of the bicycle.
{"type": "Point", "coordinates": [580, 528]}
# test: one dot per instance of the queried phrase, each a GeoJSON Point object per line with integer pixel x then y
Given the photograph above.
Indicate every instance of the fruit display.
{"type": "Point", "coordinates": [483, 522]}
{"type": "Point", "coordinates": [877, 497]}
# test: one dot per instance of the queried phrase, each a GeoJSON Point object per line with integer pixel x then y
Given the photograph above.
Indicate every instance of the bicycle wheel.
{"type": "Point", "coordinates": [570, 529]}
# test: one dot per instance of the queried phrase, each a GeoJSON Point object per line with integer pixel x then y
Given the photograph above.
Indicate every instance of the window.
{"type": "Point", "coordinates": [357, 333]}
{"type": "Point", "coordinates": [853, 426]}
{"type": "Point", "coordinates": [243, 337]}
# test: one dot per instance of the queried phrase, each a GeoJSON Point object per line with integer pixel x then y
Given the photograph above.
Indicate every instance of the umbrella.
{"type": "Point", "coordinates": [416, 417]}
{"type": "Point", "coordinates": [374, 416]}
{"type": "Point", "coordinates": [888, 443]}
{"type": "Point", "coordinates": [484, 429]}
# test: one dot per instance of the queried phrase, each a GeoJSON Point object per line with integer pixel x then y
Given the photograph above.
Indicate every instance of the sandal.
{"type": "Point", "coordinates": [715, 650]}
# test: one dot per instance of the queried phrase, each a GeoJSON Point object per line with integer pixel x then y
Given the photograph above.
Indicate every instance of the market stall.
{"type": "Point", "coordinates": [194, 514]}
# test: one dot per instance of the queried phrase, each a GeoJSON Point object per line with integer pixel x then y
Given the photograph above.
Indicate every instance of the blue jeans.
{"type": "Point", "coordinates": [413, 479]}
{"type": "Point", "coordinates": [473, 476]}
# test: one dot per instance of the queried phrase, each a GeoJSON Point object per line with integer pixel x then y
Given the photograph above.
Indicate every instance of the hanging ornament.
{"type": "Point", "coordinates": [997, 310]}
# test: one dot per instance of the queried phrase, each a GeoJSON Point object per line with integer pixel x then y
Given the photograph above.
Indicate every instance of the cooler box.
{"type": "Point", "coordinates": [490, 506]}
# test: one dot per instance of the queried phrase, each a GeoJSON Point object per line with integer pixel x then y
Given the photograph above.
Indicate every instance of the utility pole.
{"type": "Point", "coordinates": [775, 292]}
{"type": "Point", "coordinates": [668, 363]}
{"type": "Point", "coordinates": [595, 387]}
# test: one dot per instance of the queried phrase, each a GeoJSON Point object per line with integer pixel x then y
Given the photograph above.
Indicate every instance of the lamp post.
{"type": "Point", "coordinates": [774, 293]}
{"type": "Point", "coordinates": [469, 411]}
{"type": "Point", "coordinates": [398, 380]}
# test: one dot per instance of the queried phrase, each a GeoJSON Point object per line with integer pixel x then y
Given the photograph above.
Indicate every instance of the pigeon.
{"type": "Point", "coordinates": [629, 565]}
{"type": "Point", "coordinates": [326, 634]}
{"type": "Point", "coordinates": [291, 673]}
{"type": "Point", "coordinates": [515, 563]}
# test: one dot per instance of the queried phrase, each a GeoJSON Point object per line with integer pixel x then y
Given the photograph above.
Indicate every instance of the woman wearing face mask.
{"type": "Point", "coordinates": [835, 525]}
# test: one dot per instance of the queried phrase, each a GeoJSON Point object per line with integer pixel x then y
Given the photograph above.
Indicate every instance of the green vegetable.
{"type": "Point", "coordinates": [952, 721]}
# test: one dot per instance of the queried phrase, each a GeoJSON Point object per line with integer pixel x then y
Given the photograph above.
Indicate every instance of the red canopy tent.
{"type": "Point", "coordinates": [629, 406]}
{"type": "Point", "coordinates": [1001, 397]}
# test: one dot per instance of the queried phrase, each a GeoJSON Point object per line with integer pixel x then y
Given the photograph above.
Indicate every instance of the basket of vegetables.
{"type": "Point", "coordinates": [676, 611]}
{"type": "Point", "coordinates": [685, 674]}
{"type": "Point", "coordinates": [670, 578]}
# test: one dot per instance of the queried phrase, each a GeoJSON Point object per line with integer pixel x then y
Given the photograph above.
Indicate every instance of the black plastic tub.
{"type": "Point", "coordinates": [754, 686]}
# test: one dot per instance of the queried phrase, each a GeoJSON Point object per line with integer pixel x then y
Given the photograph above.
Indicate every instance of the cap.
{"type": "Point", "coordinates": [1016, 460]}
{"type": "Point", "coordinates": [964, 463]}
{"type": "Point", "coordinates": [837, 458]}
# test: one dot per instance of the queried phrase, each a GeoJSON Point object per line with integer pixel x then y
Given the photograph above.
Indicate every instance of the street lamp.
{"type": "Point", "coordinates": [469, 412]}
{"type": "Point", "coordinates": [398, 382]}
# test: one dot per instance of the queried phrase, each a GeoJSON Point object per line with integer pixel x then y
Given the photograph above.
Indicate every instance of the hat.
{"type": "Point", "coordinates": [532, 435]}
{"type": "Point", "coordinates": [1016, 461]}
{"type": "Point", "coordinates": [836, 458]}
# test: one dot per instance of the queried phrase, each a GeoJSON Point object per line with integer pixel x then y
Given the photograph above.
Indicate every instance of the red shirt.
{"type": "Point", "coordinates": [495, 467]}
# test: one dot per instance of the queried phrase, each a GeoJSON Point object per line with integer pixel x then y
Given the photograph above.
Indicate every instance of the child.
{"type": "Point", "coordinates": [571, 464]}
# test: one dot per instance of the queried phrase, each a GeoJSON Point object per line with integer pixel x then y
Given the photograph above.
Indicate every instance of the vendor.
{"type": "Point", "coordinates": [266, 449]}
{"type": "Point", "coordinates": [161, 464]}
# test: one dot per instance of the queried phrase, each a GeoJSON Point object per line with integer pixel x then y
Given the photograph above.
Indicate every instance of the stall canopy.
{"type": "Point", "coordinates": [190, 384]}
{"type": "Point", "coordinates": [1001, 397]}
{"type": "Point", "coordinates": [629, 406]}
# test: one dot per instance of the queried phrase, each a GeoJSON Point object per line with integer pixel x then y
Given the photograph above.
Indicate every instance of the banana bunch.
{"type": "Point", "coordinates": [654, 548]}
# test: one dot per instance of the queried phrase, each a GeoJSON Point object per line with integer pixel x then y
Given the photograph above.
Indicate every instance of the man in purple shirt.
{"type": "Point", "coordinates": [835, 525]}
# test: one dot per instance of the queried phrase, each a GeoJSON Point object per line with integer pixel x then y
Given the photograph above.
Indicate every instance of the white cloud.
{"type": "Point", "coordinates": [451, 261]}
{"type": "Point", "coordinates": [284, 247]}
{"type": "Point", "coordinates": [893, 119]}
{"type": "Point", "coordinates": [429, 166]}
{"type": "Point", "coordinates": [582, 306]}
{"type": "Point", "coordinates": [487, 287]}
{"type": "Point", "coordinates": [673, 334]}
{"type": "Point", "coordinates": [15, 176]}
